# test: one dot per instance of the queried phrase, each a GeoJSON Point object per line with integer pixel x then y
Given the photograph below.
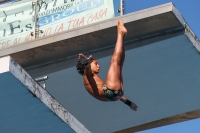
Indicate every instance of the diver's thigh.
{"type": "Point", "coordinates": [113, 79]}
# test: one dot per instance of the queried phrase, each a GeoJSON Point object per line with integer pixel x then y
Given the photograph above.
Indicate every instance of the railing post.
{"type": "Point", "coordinates": [35, 30]}
{"type": "Point", "coordinates": [121, 7]}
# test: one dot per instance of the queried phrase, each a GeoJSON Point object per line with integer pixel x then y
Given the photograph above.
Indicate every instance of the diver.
{"type": "Point", "coordinates": [112, 89]}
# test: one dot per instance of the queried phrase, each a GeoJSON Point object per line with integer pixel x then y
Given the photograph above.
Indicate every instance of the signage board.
{"type": "Point", "coordinates": [17, 20]}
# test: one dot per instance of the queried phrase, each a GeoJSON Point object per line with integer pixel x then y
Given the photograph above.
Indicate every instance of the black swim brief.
{"type": "Point", "coordinates": [112, 95]}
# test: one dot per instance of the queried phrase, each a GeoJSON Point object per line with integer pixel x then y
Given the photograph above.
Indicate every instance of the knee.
{"type": "Point", "coordinates": [115, 59]}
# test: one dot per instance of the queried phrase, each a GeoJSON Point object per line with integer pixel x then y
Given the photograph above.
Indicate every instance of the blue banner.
{"type": "Point", "coordinates": [82, 7]}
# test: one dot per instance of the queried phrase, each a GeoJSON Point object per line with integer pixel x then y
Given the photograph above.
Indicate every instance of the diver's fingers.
{"type": "Point", "coordinates": [89, 57]}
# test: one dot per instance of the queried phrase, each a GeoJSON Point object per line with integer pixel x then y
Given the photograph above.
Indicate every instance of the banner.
{"type": "Point", "coordinates": [5, 1]}
{"type": "Point", "coordinates": [16, 21]}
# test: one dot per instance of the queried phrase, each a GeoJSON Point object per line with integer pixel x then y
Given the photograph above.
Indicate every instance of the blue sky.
{"type": "Point", "coordinates": [190, 10]}
{"type": "Point", "coordinates": [191, 126]}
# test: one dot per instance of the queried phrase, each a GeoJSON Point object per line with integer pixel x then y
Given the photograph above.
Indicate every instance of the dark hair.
{"type": "Point", "coordinates": [80, 66]}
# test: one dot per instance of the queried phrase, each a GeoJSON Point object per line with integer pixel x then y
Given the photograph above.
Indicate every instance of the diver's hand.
{"type": "Point", "coordinates": [82, 56]}
{"type": "Point", "coordinates": [133, 106]}
{"type": "Point", "coordinates": [83, 59]}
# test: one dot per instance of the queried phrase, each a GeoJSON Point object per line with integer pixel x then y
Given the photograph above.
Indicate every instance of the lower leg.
{"type": "Point", "coordinates": [119, 52]}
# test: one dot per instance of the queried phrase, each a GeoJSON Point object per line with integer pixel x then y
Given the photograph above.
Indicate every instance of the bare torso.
{"type": "Point", "coordinates": [94, 85]}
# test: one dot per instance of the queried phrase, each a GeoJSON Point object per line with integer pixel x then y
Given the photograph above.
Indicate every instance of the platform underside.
{"type": "Point", "coordinates": [158, 73]}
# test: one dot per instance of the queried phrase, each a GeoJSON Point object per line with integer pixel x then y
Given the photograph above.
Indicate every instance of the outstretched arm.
{"type": "Point", "coordinates": [132, 105]}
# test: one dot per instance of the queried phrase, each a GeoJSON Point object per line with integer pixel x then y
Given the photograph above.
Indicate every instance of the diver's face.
{"type": "Point", "coordinates": [95, 67]}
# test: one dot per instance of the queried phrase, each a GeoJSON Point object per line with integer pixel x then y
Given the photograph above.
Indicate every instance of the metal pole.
{"type": "Point", "coordinates": [121, 7]}
{"type": "Point", "coordinates": [35, 30]}
{"type": "Point", "coordinates": [42, 79]}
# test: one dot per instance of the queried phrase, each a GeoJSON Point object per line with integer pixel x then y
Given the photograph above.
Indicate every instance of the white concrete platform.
{"type": "Point", "coordinates": [8, 65]}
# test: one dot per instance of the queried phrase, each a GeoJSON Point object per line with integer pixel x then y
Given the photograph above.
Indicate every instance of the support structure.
{"type": "Point", "coordinates": [121, 7]}
{"type": "Point", "coordinates": [36, 30]}
{"type": "Point", "coordinates": [8, 65]}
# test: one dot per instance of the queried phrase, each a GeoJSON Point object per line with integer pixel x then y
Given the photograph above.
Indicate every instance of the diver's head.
{"type": "Point", "coordinates": [95, 67]}
{"type": "Point", "coordinates": [90, 63]}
